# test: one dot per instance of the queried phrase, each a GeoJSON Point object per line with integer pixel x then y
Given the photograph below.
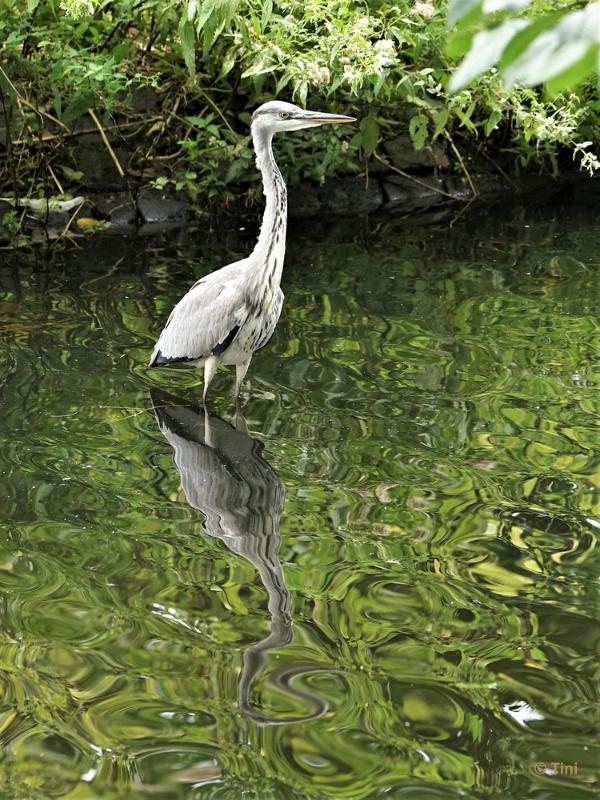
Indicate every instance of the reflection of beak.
{"type": "Point", "coordinates": [319, 118]}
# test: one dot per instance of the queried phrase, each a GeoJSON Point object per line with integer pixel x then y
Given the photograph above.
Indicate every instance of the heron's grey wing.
{"type": "Point", "coordinates": [205, 321]}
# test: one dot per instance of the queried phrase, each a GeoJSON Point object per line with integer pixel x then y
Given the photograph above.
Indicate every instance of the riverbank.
{"type": "Point", "coordinates": [151, 211]}
{"type": "Point", "coordinates": [145, 116]}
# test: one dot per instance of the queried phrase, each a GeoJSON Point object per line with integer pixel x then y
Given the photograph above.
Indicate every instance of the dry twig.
{"type": "Point", "coordinates": [462, 163]}
{"type": "Point", "coordinates": [415, 180]}
{"type": "Point", "coordinates": [107, 144]}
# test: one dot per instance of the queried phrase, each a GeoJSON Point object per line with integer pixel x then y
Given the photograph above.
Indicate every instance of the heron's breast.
{"type": "Point", "coordinates": [254, 333]}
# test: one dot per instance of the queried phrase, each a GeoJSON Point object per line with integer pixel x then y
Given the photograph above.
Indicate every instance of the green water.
{"type": "Point", "coordinates": [381, 581]}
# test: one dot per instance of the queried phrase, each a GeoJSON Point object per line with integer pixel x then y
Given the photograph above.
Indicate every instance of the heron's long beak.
{"type": "Point", "coordinates": [321, 118]}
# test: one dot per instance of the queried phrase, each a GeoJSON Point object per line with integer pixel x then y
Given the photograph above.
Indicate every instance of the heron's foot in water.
{"type": "Point", "coordinates": [239, 420]}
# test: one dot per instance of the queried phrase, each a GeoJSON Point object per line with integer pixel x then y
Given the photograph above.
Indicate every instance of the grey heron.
{"type": "Point", "coordinates": [231, 313]}
{"type": "Point", "coordinates": [225, 476]}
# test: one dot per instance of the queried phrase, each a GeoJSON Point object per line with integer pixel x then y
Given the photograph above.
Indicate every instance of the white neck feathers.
{"type": "Point", "coordinates": [269, 252]}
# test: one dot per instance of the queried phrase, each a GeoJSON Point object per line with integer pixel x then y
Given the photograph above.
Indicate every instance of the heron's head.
{"type": "Point", "coordinates": [276, 116]}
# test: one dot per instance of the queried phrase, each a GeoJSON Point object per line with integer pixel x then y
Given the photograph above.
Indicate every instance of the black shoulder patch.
{"type": "Point", "coordinates": [222, 346]}
{"type": "Point", "coordinates": [163, 361]}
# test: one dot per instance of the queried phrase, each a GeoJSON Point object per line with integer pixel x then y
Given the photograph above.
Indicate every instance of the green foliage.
{"type": "Point", "coordinates": [557, 45]}
{"type": "Point", "coordinates": [210, 62]}
{"type": "Point", "coordinates": [10, 225]}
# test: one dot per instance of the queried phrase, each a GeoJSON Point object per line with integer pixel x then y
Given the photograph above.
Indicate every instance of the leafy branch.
{"type": "Point", "coordinates": [560, 48]}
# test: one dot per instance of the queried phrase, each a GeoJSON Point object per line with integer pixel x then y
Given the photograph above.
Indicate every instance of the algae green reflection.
{"type": "Point", "coordinates": [430, 405]}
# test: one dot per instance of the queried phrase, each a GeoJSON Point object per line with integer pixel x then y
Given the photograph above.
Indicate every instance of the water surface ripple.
{"type": "Point", "coordinates": [381, 580]}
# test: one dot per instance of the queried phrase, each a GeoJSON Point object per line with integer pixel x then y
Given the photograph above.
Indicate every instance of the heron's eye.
{"type": "Point", "coordinates": [284, 115]}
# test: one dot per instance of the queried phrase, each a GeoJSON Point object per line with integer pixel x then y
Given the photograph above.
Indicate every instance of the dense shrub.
{"type": "Point", "coordinates": [210, 62]}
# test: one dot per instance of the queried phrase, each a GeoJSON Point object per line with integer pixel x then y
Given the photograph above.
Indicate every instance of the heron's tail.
{"type": "Point", "coordinates": [158, 360]}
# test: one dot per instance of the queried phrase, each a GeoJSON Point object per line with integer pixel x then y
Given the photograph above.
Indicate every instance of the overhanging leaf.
{"type": "Point", "coordinates": [459, 9]}
{"type": "Point", "coordinates": [575, 74]}
{"type": "Point", "coordinates": [460, 42]}
{"type": "Point", "coordinates": [539, 64]}
{"type": "Point", "coordinates": [192, 10]}
{"type": "Point", "coordinates": [228, 62]}
{"type": "Point", "coordinates": [210, 32]}
{"type": "Point", "coordinates": [121, 51]}
{"type": "Point", "coordinates": [521, 41]}
{"type": "Point", "coordinates": [440, 118]}
{"type": "Point", "coordinates": [267, 11]}
{"type": "Point", "coordinates": [486, 49]}
{"type": "Point", "coordinates": [258, 68]}
{"type": "Point", "coordinates": [369, 134]}
{"type": "Point", "coordinates": [77, 108]}
{"type": "Point", "coordinates": [207, 10]}
{"type": "Point", "coordinates": [492, 121]}
{"type": "Point", "coordinates": [418, 128]}
{"type": "Point", "coordinates": [187, 37]}
{"type": "Point", "coordinates": [558, 49]}
{"type": "Point", "coordinates": [492, 6]}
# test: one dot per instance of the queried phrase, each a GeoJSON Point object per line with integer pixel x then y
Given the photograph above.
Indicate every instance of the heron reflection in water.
{"type": "Point", "coordinates": [224, 475]}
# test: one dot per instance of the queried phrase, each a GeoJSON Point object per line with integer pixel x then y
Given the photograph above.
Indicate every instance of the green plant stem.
{"type": "Point", "coordinates": [218, 111]}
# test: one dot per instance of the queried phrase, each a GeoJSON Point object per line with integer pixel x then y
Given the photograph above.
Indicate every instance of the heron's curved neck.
{"type": "Point", "coordinates": [270, 248]}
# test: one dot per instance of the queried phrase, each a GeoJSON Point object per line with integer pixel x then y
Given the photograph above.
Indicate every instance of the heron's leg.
{"type": "Point", "coordinates": [240, 420]}
{"type": "Point", "coordinates": [210, 367]}
{"type": "Point", "coordinates": [208, 439]}
{"type": "Point", "coordinates": [240, 374]}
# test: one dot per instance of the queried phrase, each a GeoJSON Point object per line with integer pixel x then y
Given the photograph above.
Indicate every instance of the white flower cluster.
{"type": "Point", "coordinates": [77, 8]}
{"type": "Point", "coordinates": [386, 53]}
{"type": "Point", "coordinates": [423, 9]}
{"type": "Point", "coordinates": [320, 76]}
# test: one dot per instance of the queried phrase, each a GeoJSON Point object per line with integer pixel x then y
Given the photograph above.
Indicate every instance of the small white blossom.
{"type": "Point", "coordinates": [320, 76]}
{"type": "Point", "coordinates": [352, 75]}
{"type": "Point", "coordinates": [77, 8]}
{"type": "Point", "coordinates": [385, 47]}
{"type": "Point", "coordinates": [386, 52]}
{"type": "Point", "coordinates": [362, 25]}
{"type": "Point", "coordinates": [423, 9]}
